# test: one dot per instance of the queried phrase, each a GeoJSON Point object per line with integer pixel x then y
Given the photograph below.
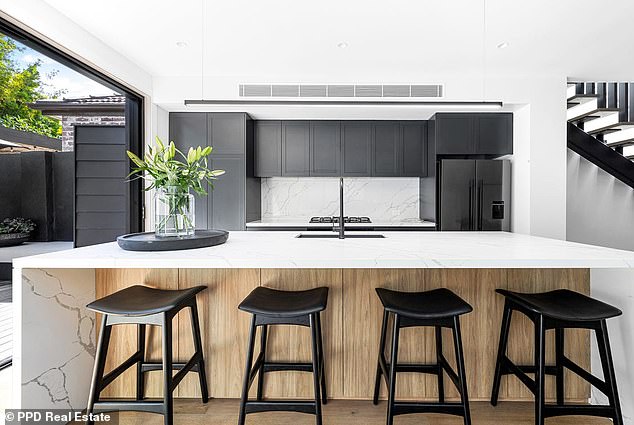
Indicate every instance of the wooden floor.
{"type": "Point", "coordinates": [338, 412]}
{"type": "Point", "coordinates": [6, 322]}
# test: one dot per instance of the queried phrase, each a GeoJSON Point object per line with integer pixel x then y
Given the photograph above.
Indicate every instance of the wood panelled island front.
{"type": "Point", "coordinates": [351, 329]}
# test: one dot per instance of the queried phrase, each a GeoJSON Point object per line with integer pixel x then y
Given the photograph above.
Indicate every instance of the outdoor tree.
{"type": "Point", "coordinates": [18, 88]}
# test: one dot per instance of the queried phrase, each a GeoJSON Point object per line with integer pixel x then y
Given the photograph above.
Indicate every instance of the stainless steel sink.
{"type": "Point", "coordinates": [336, 236]}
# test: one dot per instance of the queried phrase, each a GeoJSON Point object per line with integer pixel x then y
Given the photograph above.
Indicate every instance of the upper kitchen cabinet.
{"type": "Point", "coordinates": [268, 148]}
{"type": "Point", "coordinates": [295, 148]}
{"type": "Point", "coordinates": [356, 148]}
{"type": "Point", "coordinates": [488, 134]}
{"type": "Point", "coordinates": [387, 149]}
{"type": "Point", "coordinates": [325, 148]}
{"type": "Point", "coordinates": [226, 132]}
{"type": "Point", "coordinates": [414, 149]}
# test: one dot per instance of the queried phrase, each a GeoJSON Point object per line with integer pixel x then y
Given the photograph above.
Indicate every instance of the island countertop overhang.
{"type": "Point", "coordinates": [396, 250]}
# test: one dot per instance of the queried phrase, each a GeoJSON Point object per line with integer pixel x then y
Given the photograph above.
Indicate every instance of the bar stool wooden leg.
{"type": "Point", "coordinates": [441, 387]}
{"type": "Point", "coordinates": [540, 370]}
{"type": "Point", "coordinates": [559, 355]}
{"type": "Point", "coordinates": [100, 364]}
{"type": "Point", "coordinates": [379, 370]}
{"type": "Point", "coordinates": [263, 335]}
{"type": "Point", "coordinates": [198, 347]}
{"type": "Point", "coordinates": [462, 375]}
{"type": "Point", "coordinates": [247, 373]}
{"type": "Point", "coordinates": [140, 381]}
{"type": "Point", "coordinates": [168, 401]}
{"type": "Point", "coordinates": [392, 380]}
{"type": "Point", "coordinates": [316, 380]}
{"type": "Point", "coordinates": [501, 357]}
{"type": "Point", "coordinates": [322, 362]}
{"type": "Point", "coordinates": [608, 371]}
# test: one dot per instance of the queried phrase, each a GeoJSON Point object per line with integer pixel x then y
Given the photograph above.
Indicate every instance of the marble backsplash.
{"type": "Point", "coordinates": [381, 199]}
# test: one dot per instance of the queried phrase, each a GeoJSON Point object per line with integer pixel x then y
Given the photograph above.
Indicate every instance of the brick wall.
{"type": "Point", "coordinates": [68, 123]}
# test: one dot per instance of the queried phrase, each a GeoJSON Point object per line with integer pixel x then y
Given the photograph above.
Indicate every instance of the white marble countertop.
{"type": "Point", "coordinates": [398, 250]}
{"type": "Point", "coordinates": [304, 222]}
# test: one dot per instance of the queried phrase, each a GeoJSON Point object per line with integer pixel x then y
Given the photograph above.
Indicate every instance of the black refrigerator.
{"type": "Point", "coordinates": [474, 194]}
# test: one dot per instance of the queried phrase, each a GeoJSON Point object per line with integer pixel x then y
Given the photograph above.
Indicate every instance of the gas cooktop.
{"type": "Point", "coordinates": [330, 220]}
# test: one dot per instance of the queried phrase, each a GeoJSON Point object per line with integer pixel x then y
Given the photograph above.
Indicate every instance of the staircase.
{"type": "Point", "coordinates": [601, 126]}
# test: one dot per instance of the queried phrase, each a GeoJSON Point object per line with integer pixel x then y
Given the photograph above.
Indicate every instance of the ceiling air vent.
{"type": "Point", "coordinates": [368, 91]}
{"type": "Point", "coordinates": [342, 90]}
{"type": "Point", "coordinates": [285, 90]}
{"type": "Point", "coordinates": [313, 90]}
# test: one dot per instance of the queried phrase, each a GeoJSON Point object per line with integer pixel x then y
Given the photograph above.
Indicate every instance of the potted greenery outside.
{"type": "Point", "coordinates": [15, 231]}
{"type": "Point", "coordinates": [174, 175]}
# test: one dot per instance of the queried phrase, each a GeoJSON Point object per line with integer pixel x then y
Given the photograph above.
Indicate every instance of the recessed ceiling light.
{"type": "Point", "coordinates": [503, 45]}
{"type": "Point", "coordinates": [181, 44]}
{"type": "Point", "coordinates": [342, 45]}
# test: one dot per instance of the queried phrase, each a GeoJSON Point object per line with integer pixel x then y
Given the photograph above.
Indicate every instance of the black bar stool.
{"type": "Point", "coordinates": [439, 308]}
{"type": "Point", "coordinates": [559, 310]}
{"type": "Point", "coordinates": [143, 306]}
{"type": "Point", "coordinates": [273, 307]}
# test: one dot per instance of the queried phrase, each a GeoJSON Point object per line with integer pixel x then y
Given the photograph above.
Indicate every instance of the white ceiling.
{"type": "Point", "coordinates": [388, 41]}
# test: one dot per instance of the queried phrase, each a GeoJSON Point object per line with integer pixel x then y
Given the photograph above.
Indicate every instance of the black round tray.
{"type": "Point", "coordinates": [149, 242]}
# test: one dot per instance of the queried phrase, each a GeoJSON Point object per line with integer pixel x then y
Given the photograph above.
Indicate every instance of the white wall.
{"type": "Point", "coordinates": [600, 208]}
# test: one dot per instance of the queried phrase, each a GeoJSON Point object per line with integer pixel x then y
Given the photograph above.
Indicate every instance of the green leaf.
{"type": "Point", "coordinates": [160, 143]}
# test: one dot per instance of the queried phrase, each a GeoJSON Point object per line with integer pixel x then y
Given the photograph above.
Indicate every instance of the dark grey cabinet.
{"type": "Point", "coordinates": [386, 149]}
{"type": "Point", "coordinates": [455, 134]}
{"type": "Point", "coordinates": [189, 130]}
{"type": "Point", "coordinates": [341, 148]}
{"type": "Point", "coordinates": [356, 148]}
{"type": "Point", "coordinates": [489, 134]}
{"type": "Point", "coordinates": [226, 133]}
{"type": "Point", "coordinates": [413, 149]}
{"type": "Point", "coordinates": [237, 191]}
{"type": "Point", "coordinates": [268, 148]}
{"type": "Point", "coordinates": [325, 148]}
{"type": "Point", "coordinates": [295, 148]}
{"type": "Point", "coordinates": [228, 209]}
{"type": "Point", "coordinates": [494, 134]}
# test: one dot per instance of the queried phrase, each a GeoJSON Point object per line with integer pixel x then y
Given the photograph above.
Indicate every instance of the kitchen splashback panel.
{"type": "Point", "coordinates": [381, 199]}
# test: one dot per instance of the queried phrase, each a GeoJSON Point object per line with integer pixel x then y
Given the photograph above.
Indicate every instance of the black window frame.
{"type": "Point", "coordinates": [134, 105]}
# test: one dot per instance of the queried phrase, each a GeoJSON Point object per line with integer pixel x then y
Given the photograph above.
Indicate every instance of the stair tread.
{"type": "Point", "coordinates": [596, 113]}
{"type": "Point", "coordinates": [626, 142]}
{"type": "Point", "coordinates": [611, 127]}
{"type": "Point", "coordinates": [571, 100]}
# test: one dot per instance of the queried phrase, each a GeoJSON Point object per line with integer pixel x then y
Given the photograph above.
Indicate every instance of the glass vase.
{"type": "Point", "coordinates": [174, 212]}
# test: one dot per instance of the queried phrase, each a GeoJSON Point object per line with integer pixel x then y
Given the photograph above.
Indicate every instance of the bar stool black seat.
{"type": "Point", "coordinates": [274, 307]}
{"type": "Point", "coordinates": [439, 308]}
{"type": "Point", "coordinates": [559, 310]}
{"type": "Point", "coordinates": [144, 306]}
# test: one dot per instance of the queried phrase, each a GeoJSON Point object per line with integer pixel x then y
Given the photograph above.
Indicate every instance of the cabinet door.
{"type": "Point", "coordinates": [325, 148]}
{"type": "Point", "coordinates": [268, 148]}
{"type": "Point", "coordinates": [227, 133]}
{"type": "Point", "coordinates": [455, 134]}
{"type": "Point", "coordinates": [494, 134]}
{"type": "Point", "coordinates": [189, 129]}
{"type": "Point", "coordinates": [227, 201]}
{"type": "Point", "coordinates": [295, 148]}
{"type": "Point", "coordinates": [386, 149]}
{"type": "Point", "coordinates": [414, 148]}
{"type": "Point", "coordinates": [356, 148]}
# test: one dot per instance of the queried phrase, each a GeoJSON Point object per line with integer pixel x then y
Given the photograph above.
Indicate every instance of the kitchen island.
{"type": "Point", "coordinates": [55, 341]}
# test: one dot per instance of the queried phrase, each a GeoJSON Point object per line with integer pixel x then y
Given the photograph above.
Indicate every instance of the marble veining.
{"type": "Point", "coordinates": [396, 250]}
{"type": "Point", "coordinates": [382, 199]}
{"type": "Point", "coordinates": [61, 378]}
